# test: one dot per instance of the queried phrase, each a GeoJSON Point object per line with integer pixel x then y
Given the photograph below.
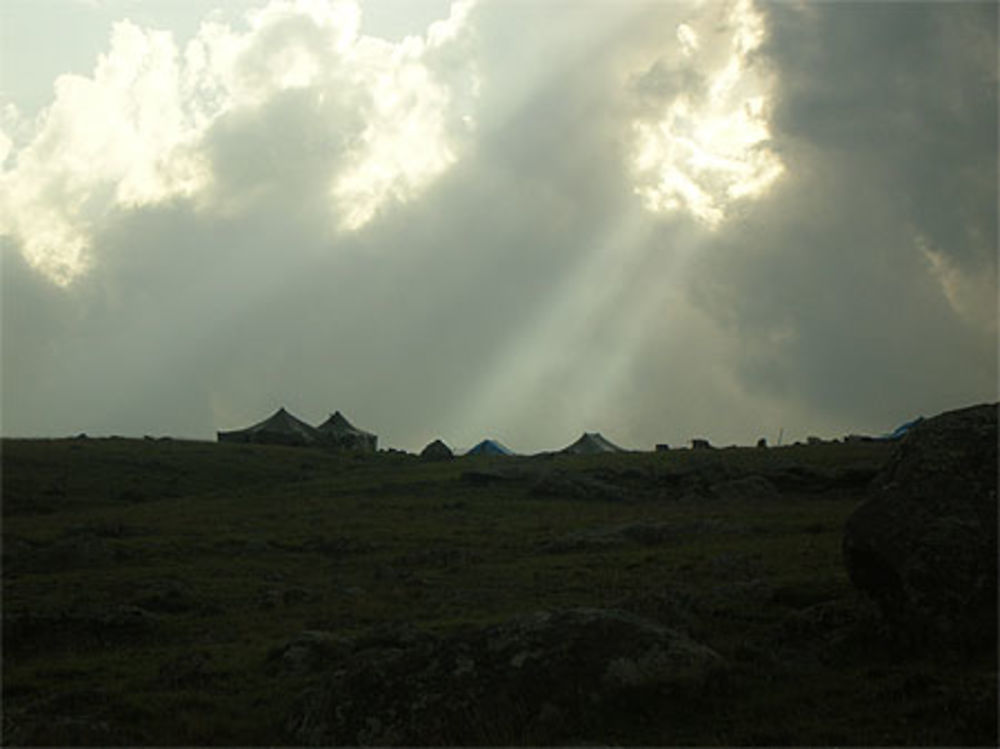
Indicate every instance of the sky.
{"type": "Point", "coordinates": [497, 218]}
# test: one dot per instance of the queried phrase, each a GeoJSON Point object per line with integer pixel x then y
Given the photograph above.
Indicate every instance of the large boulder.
{"type": "Point", "coordinates": [925, 546]}
{"type": "Point", "coordinates": [540, 678]}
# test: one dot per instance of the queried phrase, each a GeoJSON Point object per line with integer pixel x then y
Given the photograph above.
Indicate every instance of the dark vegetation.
{"type": "Point", "coordinates": [170, 592]}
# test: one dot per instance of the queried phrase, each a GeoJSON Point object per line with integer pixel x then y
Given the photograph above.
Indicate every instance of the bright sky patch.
{"type": "Point", "coordinates": [139, 131]}
{"type": "Point", "coordinates": [707, 147]}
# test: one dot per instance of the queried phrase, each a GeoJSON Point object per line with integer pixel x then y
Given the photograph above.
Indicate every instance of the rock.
{"type": "Point", "coordinates": [69, 553]}
{"type": "Point", "coordinates": [185, 671]}
{"type": "Point", "coordinates": [648, 534]}
{"type": "Point", "coordinates": [805, 479]}
{"type": "Point", "coordinates": [669, 605]}
{"type": "Point", "coordinates": [925, 546]}
{"type": "Point", "coordinates": [33, 631]}
{"type": "Point", "coordinates": [642, 533]}
{"type": "Point", "coordinates": [65, 730]}
{"type": "Point", "coordinates": [585, 540]}
{"type": "Point", "coordinates": [575, 486]}
{"type": "Point", "coordinates": [309, 651]}
{"type": "Point", "coordinates": [484, 478]}
{"type": "Point", "coordinates": [550, 676]}
{"type": "Point", "coordinates": [437, 556]}
{"type": "Point", "coordinates": [700, 444]}
{"type": "Point", "coordinates": [167, 597]}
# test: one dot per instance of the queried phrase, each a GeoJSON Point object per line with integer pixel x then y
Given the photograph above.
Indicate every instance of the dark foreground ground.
{"type": "Point", "coordinates": [168, 592]}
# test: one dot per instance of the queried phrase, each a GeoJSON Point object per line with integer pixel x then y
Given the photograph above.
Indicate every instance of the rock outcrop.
{"type": "Point", "coordinates": [925, 547]}
{"type": "Point", "coordinates": [550, 676]}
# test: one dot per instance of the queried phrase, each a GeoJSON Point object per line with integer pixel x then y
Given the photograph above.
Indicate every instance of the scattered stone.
{"type": "Point", "coordinates": [641, 533]}
{"type": "Point", "coordinates": [167, 597]}
{"type": "Point", "coordinates": [186, 671]}
{"type": "Point", "coordinates": [925, 546]}
{"type": "Point", "coordinates": [485, 478]}
{"type": "Point", "coordinates": [295, 595]}
{"type": "Point", "coordinates": [73, 627]}
{"type": "Point", "coordinates": [131, 495]}
{"type": "Point", "coordinates": [271, 598]}
{"type": "Point", "coordinates": [576, 486]}
{"type": "Point", "coordinates": [438, 556]}
{"type": "Point", "coordinates": [68, 730]}
{"type": "Point", "coordinates": [802, 479]}
{"type": "Point", "coordinates": [671, 606]}
{"type": "Point", "coordinates": [745, 488]}
{"type": "Point", "coordinates": [83, 549]}
{"type": "Point", "coordinates": [309, 651]}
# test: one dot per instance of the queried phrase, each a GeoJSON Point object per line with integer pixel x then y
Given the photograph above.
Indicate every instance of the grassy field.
{"type": "Point", "coordinates": [148, 583]}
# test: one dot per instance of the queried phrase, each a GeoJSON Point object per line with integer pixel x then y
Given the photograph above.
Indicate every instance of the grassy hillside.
{"type": "Point", "coordinates": [149, 586]}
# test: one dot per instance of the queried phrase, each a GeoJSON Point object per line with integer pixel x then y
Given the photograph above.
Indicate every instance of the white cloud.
{"type": "Point", "coordinates": [972, 296]}
{"type": "Point", "coordinates": [140, 130]}
{"type": "Point", "coordinates": [705, 146]}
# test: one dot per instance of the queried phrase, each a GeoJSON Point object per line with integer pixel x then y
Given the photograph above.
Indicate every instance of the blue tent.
{"type": "Point", "coordinates": [902, 429]}
{"type": "Point", "coordinates": [490, 447]}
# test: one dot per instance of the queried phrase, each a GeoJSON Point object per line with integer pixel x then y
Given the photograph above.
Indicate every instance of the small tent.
{"type": "Point", "coordinates": [490, 447]}
{"type": "Point", "coordinates": [280, 428]}
{"type": "Point", "coordinates": [436, 450]}
{"type": "Point", "coordinates": [342, 434]}
{"type": "Point", "coordinates": [591, 443]}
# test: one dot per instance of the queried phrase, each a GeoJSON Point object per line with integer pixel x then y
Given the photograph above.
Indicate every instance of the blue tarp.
{"type": "Point", "coordinates": [490, 447]}
{"type": "Point", "coordinates": [902, 429]}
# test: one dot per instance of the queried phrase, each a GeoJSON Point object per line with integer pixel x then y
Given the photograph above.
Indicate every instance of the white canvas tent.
{"type": "Point", "coordinates": [280, 428]}
{"type": "Point", "coordinates": [591, 443]}
{"type": "Point", "coordinates": [342, 434]}
{"type": "Point", "coordinates": [436, 450]}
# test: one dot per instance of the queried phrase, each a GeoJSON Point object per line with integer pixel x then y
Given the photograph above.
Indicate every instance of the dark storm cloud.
{"type": "Point", "coordinates": [907, 93]}
{"type": "Point", "coordinates": [885, 116]}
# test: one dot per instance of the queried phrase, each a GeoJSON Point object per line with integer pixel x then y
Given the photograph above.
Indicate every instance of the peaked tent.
{"type": "Point", "coordinates": [591, 443]}
{"type": "Point", "coordinates": [490, 447]}
{"type": "Point", "coordinates": [341, 433]}
{"type": "Point", "coordinates": [280, 428]}
{"type": "Point", "coordinates": [436, 450]}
